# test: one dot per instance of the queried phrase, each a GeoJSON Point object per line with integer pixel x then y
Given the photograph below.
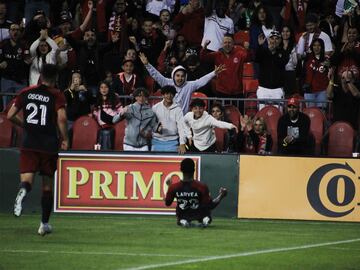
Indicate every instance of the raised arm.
{"type": "Point", "coordinates": [87, 19]}
{"type": "Point", "coordinates": [157, 76]}
{"type": "Point", "coordinates": [206, 78]}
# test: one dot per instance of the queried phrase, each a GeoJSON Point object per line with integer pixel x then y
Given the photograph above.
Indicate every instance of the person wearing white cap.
{"type": "Point", "coordinates": [184, 88]}
{"type": "Point", "coordinates": [272, 61]}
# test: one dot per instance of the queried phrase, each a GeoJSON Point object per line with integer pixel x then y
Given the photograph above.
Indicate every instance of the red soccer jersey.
{"type": "Point", "coordinates": [40, 105]}
{"type": "Point", "coordinates": [191, 198]}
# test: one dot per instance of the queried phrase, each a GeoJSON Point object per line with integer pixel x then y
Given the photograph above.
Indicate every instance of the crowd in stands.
{"type": "Point", "coordinates": [306, 52]}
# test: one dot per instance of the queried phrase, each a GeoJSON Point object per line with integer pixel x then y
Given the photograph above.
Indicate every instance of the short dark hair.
{"type": "Point", "coordinates": [311, 18]}
{"type": "Point", "coordinates": [229, 35]}
{"type": "Point", "coordinates": [138, 91]}
{"type": "Point", "coordinates": [49, 73]}
{"type": "Point", "coordinates": [197, 102]}
{"type": "Point", "coordinates": [168, 89]}
{"type": "Point", "coordinates": [187, 166]}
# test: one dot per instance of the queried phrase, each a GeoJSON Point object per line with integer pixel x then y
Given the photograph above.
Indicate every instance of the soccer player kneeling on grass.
{"type": "Point", "coordinates": [193, 197]}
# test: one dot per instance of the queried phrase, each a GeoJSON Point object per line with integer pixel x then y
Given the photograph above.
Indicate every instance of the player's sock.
{"type": "Point", "coordinates": [26, 186]}
{"type": "Point", "coordinates": [46, 205]}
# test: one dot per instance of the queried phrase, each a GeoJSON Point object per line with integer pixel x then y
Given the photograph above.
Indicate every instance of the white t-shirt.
{"type": "Point", "coordinates": [154, 6]}
{"type": "Point", "coordinates": [325, 37]}
{"type": "Point", "coordinates": [215, 29]}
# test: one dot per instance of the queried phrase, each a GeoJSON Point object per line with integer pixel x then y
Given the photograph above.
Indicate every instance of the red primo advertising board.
{"type": "Point", "coordinates": [115, 183]}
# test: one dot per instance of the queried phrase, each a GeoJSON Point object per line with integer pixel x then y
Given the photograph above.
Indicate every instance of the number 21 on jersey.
{"type": "Point", "coordinates": [36, 113]}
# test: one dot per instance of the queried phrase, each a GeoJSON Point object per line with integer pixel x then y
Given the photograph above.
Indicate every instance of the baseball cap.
{"type": "Point", "coordinates": [65, 17]}
{"type": "Point", "coordinates": [293, 102]}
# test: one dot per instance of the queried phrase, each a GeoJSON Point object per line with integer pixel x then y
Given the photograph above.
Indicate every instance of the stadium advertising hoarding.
{"type": "Point", "coordinates": [299, 188]}
{"type": "Point", "coordinates": [115, 183]}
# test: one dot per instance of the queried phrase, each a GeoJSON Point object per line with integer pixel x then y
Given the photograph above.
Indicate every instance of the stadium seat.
{"type": "Point", "coordinates": [220, 139]}
{"type": "Point", "coordinates": [7, 131]}
{"type": "Point", "coordinates": [232, 114]}
{"type": "Point", "coordinates": [155, 97]}
{"type": "Point", "coordinates": [149, 84]}
{"type": "Point", "coordinates": [19, 133]}
{"type": "Point", "coordinates": [251, 107]}
{"type": "Point", "coordinates": [241, 36]}
{"type": "Point", "coordinates": [317, 126]}
{"type": "Point", "coordinates": [250, 86]}
{"type": "Point", "coordinates": [341, 139]}
{"type": "Point", "coordinates": [201, 96]}
{"type": "Point", "coordinates": [85, 130]}
{"type": "Point", "coordinates": [271, 115]}
{"type": "Point", "coordinates": [248, 71]}
{"type": "Point", "coordinates": [119, 135]}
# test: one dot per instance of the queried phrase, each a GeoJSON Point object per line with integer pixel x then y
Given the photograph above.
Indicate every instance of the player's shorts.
{"type": "Point", "coordinates": [32, 161]}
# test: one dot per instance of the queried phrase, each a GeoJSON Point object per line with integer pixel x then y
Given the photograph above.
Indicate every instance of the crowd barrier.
{"type": "Point", "coordinates": [265, 187]}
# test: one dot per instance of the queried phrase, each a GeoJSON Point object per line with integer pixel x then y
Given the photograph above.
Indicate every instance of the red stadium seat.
{"type": "Point", "coordinates": [201, 96]}
{"type": "Point", "coordinates": [241, 36]}
{"type": "Point", "coordinates": [341, 139]}
{"type": "Point", "coordinates": [232, 114]}
{"type": "Point", "coordinates": [6, 134]}
{"type": "Point", "coordinates": [19, 131]}
{"type": "Point", "coordinates": [85, 130]}
{"type": "Point", "coordinates": [251, 107]}
{"type": "Point", "coordinates": [119, 135]}
{"type": "Point", "coordinates": [220, 139]}
{"type": "Point", "coordinates": [156, 97]}
{"type": "Point", "coordinates": [248, 71]}
{"type": "Point", "coordinates": [149, 84]}
{"type": "Point", "coordinates": [317, 125]}
{"type": "Point", "coordinates": [250, 87]}
{"type": "Point", "coordinates": [271, 115]}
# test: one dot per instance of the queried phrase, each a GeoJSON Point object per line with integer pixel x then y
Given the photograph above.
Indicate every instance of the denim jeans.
{"type": "Point", "coordinates": [319, 97]}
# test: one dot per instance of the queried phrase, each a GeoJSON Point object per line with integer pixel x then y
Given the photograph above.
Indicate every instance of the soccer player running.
{"type": "Point", "coordinates": [193, 197]}
{"type": "Point", "coordinates": [44, 113]}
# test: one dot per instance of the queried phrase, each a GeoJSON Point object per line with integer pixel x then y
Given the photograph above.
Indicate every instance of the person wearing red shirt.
{"type": "Point", "coordinates": [193, 197]}
{"type": "Point", "coordinates": [190, 21]}
{"type": "Point", "coordinates": [316, 71]}
{"type": "Point", "coordinates": [229, 82]}
{"type": "Point", "coordinates": [44, 112]}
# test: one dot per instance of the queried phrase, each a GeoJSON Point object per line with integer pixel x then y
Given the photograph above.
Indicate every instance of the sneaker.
{"type": "Point", "coordinates": [18, 205]}
{"type": "Point", "coordinates": [184, 223]}
{"type": "Point", "coordinates": [45, 228]}
{"type": "Point", "coordinates": [205, 222]}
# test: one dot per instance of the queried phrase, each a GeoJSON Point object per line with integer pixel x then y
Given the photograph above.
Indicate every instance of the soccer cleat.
{"type": "Point", "coordinates": [205, 222]}
{"type": "Point", "coordinates": [19, 201]}
{"type": "Point", "coordinates": [45, 228]}
{"type": "Point", "coordinates": [184, 223]}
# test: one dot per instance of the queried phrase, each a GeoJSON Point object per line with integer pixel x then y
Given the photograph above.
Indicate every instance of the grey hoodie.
{"type": "Point", "coordinates": [184, 91]}
{"type": "Point", "coordinates": [138, 117]}
{"type": "Point", "coordinates": [172, 121]}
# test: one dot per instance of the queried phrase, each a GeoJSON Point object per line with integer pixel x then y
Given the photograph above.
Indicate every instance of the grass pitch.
{"type": "Point", "coordinates": [117, 242]}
